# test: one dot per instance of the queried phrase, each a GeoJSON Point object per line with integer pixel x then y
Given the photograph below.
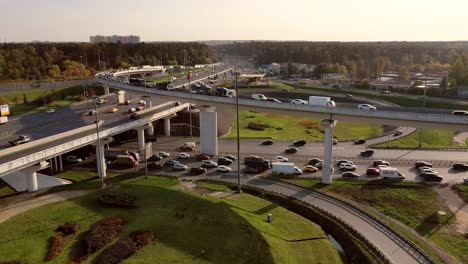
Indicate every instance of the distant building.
{"type": "Point", "coordinates": [115, 39]}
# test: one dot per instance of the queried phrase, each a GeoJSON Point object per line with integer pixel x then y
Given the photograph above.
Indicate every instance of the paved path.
{"type": "Point", "coordinates": [21, 207]}
{"type": "Point", "coordinates": [456, 205]}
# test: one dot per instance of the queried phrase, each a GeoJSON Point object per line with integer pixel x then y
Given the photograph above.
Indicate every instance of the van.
{"type": "Point", "coordinates": [190, 144]}
{"type": "Point", "coordinates": [260, 97]}
{"type": "Point", "coordinates": [126, 160]}
{"type": "Point", "coordinates": [391, 173]}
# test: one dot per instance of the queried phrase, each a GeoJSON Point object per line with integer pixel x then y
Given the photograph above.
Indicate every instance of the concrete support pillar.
{"type": "Point", "coordinates": [106, 90]}
{"type": "Point", "coordinates": [167, 127]}
{"type": "Point", "coordinates": [141, 139]}
{"type": "Point", "coordinates": [31, 175]}
{"type": "Point", "coordinates": [327, 168]}
{"type": "Point", "coordinates": [150, 130]}
{"type": "Point", "coordinates": [100, 160]}
{"type": "Point", "coordinates": [208, 132]}
{"type": "Point", "coordinates": [60, 163]}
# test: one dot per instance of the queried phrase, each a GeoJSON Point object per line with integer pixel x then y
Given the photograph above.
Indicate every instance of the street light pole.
{"type": "Point", "coordinates": [103, 184]}
{"type": "Point", "coordinates": [239, 188]}
{"type": "Point", "coordinates": [424, 102]}
{"type": "Point", "coordinates": [82, 84]}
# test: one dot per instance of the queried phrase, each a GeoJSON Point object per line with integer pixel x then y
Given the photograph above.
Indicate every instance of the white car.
{"type": "Point", "coordinates": [184, 155]}
{"type": "Point", "coordinates": [366, 107]}
{"type": "Point", "coordinates": [223, 168]}
{"type": "Point", "coordinates": [50, 111]}
{"type": "Point", "coordinates": [100, 101]}
{"type": "Point", "coordinates": [73, 159]}
{"type": "Point", "coordinates": [209, 164]}
{"type": "Point", "coordinates": [299, 101]}
{"type": "Point", "coordinates": [465, 180]}
{"type": "Point", "coordinates": [348, 167]}
{"type": "Point", "coordinates": [260, 97]}
{"type": "Point", "coordinates": [179, 166]}
{"type": "Point", "coordinates": [281, 159]}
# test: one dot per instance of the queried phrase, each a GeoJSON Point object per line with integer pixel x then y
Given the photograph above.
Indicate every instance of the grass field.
{"type": "Point", "coordinates": [5, 189]}
{"type": "Point", "coordinates": [462, 190]}
{"type": "Point", "coordinates": [432, 138]}
{"type": "Point", "coordinates": [413, 204]}
{"type": "Point", "coordinates": [288, 128]}
{"type": "Point", "coordinates": [188, 228]}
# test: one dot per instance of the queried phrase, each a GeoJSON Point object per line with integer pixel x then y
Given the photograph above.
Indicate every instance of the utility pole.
{"type": "Point", "coordinates": [98, 145]}
{"type": "Point", "coordinates": [82, 84]}
{"type": "Point", "coordinates": [424, 102]}
{"type": "Point", "coordinates": [239, 188]}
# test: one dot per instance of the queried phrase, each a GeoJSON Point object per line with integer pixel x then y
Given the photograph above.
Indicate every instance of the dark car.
{"type": "Point", "coordinates": [359, 141]}
{"type": "Point", "coordinates": [197, 171]}
{"type": "Point", "coordinates": [314, 161]}
{"type": "Point", "coordinates": [224, 161]}
{"type": "Point", "coordinates": [419, 164]}
{"type": "Point", "coordinates": [186, 148]}
{"type": "Point", "coordinates": [349, 174]}
{"type": "Point", "coordinates": [250, 170]}
{"type": "Point", "coordinates": [154, 165]}
{"type": "Point", "coordinates": [170, 162]}
{"type": "Point", "coordinates": [334, 141]}
{"type": "Point", "coordinates": [268, 142]}
{"type": "Point", "coordinates": [273, 100]}
{"type": "Point", "coordinates": [299, 143]}
{"type": "Point", "coordinates": [203, 157]}
{"type": "Point", "coordinates": [380, 162]}
{"type": "Point", "coordinates": [134, 116]}
{"type": "Point", "coordinates": [373, 171]}
{"type": "Point", "coordinates": [290, 150]}
{"type": "Point", "coordinates": [460, 166]}
{"type": "Point", "coordinates": [367, 153]}
{"type": "Point", "coordinates": [231, 157]}
{"type": "Point", "coordinates": [432, 177]}
{"type": "Point", "coordinates": [155, 158]}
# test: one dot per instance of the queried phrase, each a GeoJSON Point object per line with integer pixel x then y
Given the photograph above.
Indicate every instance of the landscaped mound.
{"type": "Point", "coordinates": [100, 233]}
{"type": "Point", "coordinates": [124, 248]}
{"type": "Point", "coordinates": [121, 200]}
{"type": "Point", "coordinates": [61, 238]}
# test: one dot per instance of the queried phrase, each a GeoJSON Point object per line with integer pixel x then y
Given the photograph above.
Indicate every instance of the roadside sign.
{"type": "Point", "coordinates": [4, 110]}
{"type": "Point", "coordinates": [3, 119]}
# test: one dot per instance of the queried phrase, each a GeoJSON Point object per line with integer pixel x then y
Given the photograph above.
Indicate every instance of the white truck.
{"type": "Point", "coordinates": [3, 120]}
{"type": "Point", "coordinates": [321, 101]}
{"type": "Point", "coordinates": [391, 173]}
{"type": "Point", "coordinates": [20, 140]}
{"type": "Point", "coordinates": [285, 168]}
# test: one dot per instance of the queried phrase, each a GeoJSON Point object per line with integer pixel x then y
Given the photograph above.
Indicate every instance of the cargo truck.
{"type": "Point", "coordinates": [257, 163]}
{"type": "Point", "coordinates": [321, 101]}
{"type": "Point", "coordinates": [285, 168]}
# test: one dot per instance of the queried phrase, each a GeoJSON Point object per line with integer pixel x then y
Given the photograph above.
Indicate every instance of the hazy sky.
{"type": "Point", "coordinates": [182, 20]}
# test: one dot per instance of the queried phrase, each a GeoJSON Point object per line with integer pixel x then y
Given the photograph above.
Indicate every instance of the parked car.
{"type": "Point", "coordinates": [310, 168]}
{"type": "Point", "coordinates": [73, 159]}
{"type": "Point", "coordinates": [163, 154]}
{"type": "Point", "coordinates": [179, 166]}
{"type": "Point", "coordinates": [349, 174]}
{"type": "Point", "coordinates": [343, 161]}
{"type": "Point", "coordinates": [268, 142]}
{"type": "Point", "coordinates": [460, 112]}
{"type": "Point", "coordinates": [171, 162]}
{"type": "Point", "coordinates": [319, 165]}
{"type": "Point", "coordinates": [420, 163]}
{"type": "Point", "coordinates": [425, 172]}
{"type": "Point", "coordinates": [154, 165]}
{"type": "Point", "coordinates": [209, 164]}
{"type": "Point", "coordinates": [184, 155]}
{"type": "Point", "coordinates": [197, 171]}
{"type": "Point", "coordinates": [431, 177]}
{"type": "Point", "coordinates": [223, 168]}
{"type": "Point", "coordinates": [460, 166]}
{"type": "Point", "coordinates": [155, 158]}
{"type": "Point", "coordinates": [50, 111]}
{"type": "Point", "coordinates": [224, 161]}
{"type": "Point", "coordinates": [299, 143]}
{"type": "Point", "coordinates": [334, 141]}
{"type": "Point", "coordinates": [299, 101]}
{"type": "Point", "coordinates": [373, 171]}
{"type": "Point", "coordinates": [347, 167]}
{"type": "Point", "coordinates": [186, 148]}
{"type": "Point", "coordinates": [203, 157]}
{"type": "Point", "coordinates": [367, 153]}
{"type": "Point", "coordinates": [314, 161]}
{"type": "Point", "coordinates": [366, 107]}
{"type": "Point", "coordinates": [290, 150]}
{"type": "Point", "coordinates": [359, 141]}
{"type": "Point", "coordinates": [281, 159]}
{"type": "Point", "coordinates": [231, 157]}
{"type": "Point", "coordinates": [380, 162]}
{"type": "Point", "coordinates": [397, 133]}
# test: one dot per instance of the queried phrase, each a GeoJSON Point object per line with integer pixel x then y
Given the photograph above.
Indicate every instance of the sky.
{"type": "Point", "coordinates": [193, 20]}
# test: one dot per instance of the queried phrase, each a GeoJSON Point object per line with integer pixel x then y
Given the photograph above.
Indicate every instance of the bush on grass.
{"type": "Point", "coordinates": [124, 248]}
{"type": "Point", "coordinates": [121, 200]}
{"type": "Point", "coordinates": [61, 238]}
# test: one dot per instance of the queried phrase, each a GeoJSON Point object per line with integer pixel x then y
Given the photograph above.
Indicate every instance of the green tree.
{"type": "Point", "coordinates": [54, 71]}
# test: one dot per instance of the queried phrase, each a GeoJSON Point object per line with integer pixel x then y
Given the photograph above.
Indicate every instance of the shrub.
{"type": "Point", "coordinates": [125, 247]}
{"type": "Point", "coordinates": [61, 238]}
{"type": "Point", "coordinates": [257, 126]}
{"type": "Point", "coordinates": [68, 229]}
{"type": "Point", "coordinates": [121, 200]}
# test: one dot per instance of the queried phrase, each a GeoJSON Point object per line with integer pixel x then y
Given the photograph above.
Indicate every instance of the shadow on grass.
{"type": "Point", "coordinates": [433, 223]}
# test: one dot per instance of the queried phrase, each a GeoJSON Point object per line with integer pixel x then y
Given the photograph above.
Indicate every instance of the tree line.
{"type": "Point", "coordinates": [362, 60]}
{"type": "Point", "coordinates": [37, 61]}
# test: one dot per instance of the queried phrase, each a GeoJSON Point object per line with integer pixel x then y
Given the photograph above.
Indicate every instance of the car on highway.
{"type": "Point", "coordinates": [290, 150]}
{"type": "Point", "coordinates": [267, 142]}
{"type": "Point", "coordinates": [281, 159]}
{"type": "Point", "coordinates": [385, 92]}
{"type": "Point", "coordinates": [224, 161]}
{"type": "Point", "coordinates": [113, 110]}
{"type": "Point", "coordinates": [223, 168]}
{"type": "Point", "coordinates": [299, 143]}
{"type": "Point", "coordinates": [135, 116]}
{"type": "Point", "coordinates": [155, 165]}
{"type": "Point", "coordinates": [127, 102]}
{"type": "Point", "coordinates": [460, 166]}
{"type": "Point", "coordinates": [274, 100]}
{"type": "Point", "coordinates": [299, 101]}
{"type": "Point", "coordinates": [347, 167]}
{"type": "Point", "coordinates": [132, 110]}
{"type": "Point", "coordinates": [101, 101]}
{"type": "Point", "coordinates": [314, 161]}
{"type": "Point", "coordinates": [231, 157]}
{"type": "Point", "coordinates": [367, 153]}
{"type": "Point", "coordinates": [421, 163]}
{"type": "Point", "coordinates": [343, 161]}
{"type": "Point", "coordinates": [349, 96]}
{"type": "Point", "coordinates": [397, 133]}
{"type": "Point", "coordinates": [359, 141]}
{"type": "Point", "coordinates": [310, 168]}
{"type": "Point", "coordinates": [260, 97]}
{"type": "Point", "coordinates": [197, 170]}
{"type": "Point", "coordinates": [163, 154]}
{"type": "Point", "coordinates": [183, 155]}
{"type": "Point", "coordinates": [349, 174]}
{"type": "Point", "coordinates": [460, 112]}
{"type": "Point", "coordinates": [170, 162]}
{"type": "Point", "coordinates": [203, 157]}
{"type": "Point", "coordinates": [380, 162]}
{"type": "Point", "coordinates": [179, 166]}
{"type": "Point", "coordinates": [366, 107]}
{"type": "Point", "coordinates": [50, 111]}
{"type": "Point", "coordinates": [73, 159]}
{"type": "Point", "coordinates": [209, 164]}
{"type": "Point", "coordinates": [373, 172]}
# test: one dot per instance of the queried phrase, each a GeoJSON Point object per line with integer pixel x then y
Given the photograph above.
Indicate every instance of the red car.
{"type": "Point", "coordinates": [203, 157]}
{"type": "Point", "coordinates": [186, 148]}
{"type": "Point", "coordinates": [373, 171]}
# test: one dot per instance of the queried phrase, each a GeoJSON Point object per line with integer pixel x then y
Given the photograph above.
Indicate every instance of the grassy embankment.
{"type": "Point", "coordinates": [432, 138]}
{"type": "Point", "coordinates": [188, 228]}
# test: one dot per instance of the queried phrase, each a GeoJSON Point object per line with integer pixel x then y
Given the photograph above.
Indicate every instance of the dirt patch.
{"type": "Point", "coordinates": [274, 115]}
{"type": "Point", "coordinates": [308, 124]}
